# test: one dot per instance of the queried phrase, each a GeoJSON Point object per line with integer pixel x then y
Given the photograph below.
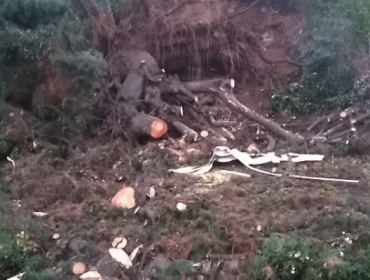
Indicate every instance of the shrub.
{"type": "Point", "coordinates": [335, 30]}
{"type": "Point", "coordinates": [293, 259]}
{"type": "Point", "coordinates": [6, 146]}
{"type": "Point", "coordinates": [297, 259]}
{"type": "Point", "coordinates": [15, 256]}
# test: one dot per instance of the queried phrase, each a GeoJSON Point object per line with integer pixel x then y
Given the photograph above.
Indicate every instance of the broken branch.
{"type": "Point", "coordinates": [230, 100]}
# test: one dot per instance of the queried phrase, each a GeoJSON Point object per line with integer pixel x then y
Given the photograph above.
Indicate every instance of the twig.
{"type": "Point", "coordinates": [234, 15]}
{"type": "Point", "coordinates": [230, 100]}
{"type": "Point", "coordinates": [217, 271]}
{"type": "Point", "coordinates": [235, 173]}
{"type": "Point", "coordinates": [340, 125]}
{"type": "Point", "coordinates": [318, 121]}
{"type": "Point", "coordinates": [324, 179]}
{"type": "Point", "coordinates": [352, 122]}
{"type": "Point", "coordinates": [180, 6]}
{"type": "Point", "coordinates": [263, 171]}
{"type": "Point", "coordinates": [271, 141]}
{"type": "Point", "coordinates": [340, 134]}
{"type": "Point", "coordinates": [226, 257]}
{"type": "Point", "coordinates": [185, 130]}
{"type": "Point", "coordinates": [221, 123]}
{"type": "Point", "coordinates": [206, 100]}
{"type": "Point", "coordinates": [145, 253]}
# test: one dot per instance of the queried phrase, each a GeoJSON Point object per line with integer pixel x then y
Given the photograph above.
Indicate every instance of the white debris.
{"type": "Point", "coordinates": [40, 214]}
{"type": "Point", "coordinates": [181, 206]}
{"type": "Point", "coordinates": [91, 275]}
{"type": "Point", "coordinates": [151, 192]}
{"type": "Point", "coordinates": [12, 161]}
{"type": "Point", "coordinates": [56, 236]}
{"type": "Point", "coordinates": [224, 154]}
{"type": "Point", "coordinates": [121, 257]}
{"type": "Point", "coordinates": [17, 277]}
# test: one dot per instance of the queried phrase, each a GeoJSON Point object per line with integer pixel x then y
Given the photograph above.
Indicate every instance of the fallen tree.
{"type": "Point", "coordinates": [141, 100]}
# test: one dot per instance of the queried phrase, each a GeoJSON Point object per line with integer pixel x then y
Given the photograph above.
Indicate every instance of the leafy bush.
{"type": "Point", "coordinates": [18, 236]}
{"type": "Point", "coordinates": [293, 259]}
{"type": "Point", "coordinates": [297, 259]}
{"type": "Point", "coordinates": [15, 256]}
{"type": "Point", "coordinates": [83, 68]}
{"type": "Point", "coordinates": [355, 268]}
{"type": "Point", "coordinates": [336, 29]}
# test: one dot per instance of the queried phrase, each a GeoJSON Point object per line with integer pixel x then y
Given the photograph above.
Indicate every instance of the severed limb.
{"type": "Point", "coordinates": [144, 124]}
{"type": "Point", "coordinates": [270, 140]}
{"type": "Point", "coordinates": [217, 87]}
{"type": "Point", "coordinates": [185, 130]}
{"type": "Point", "coordinates": [343, 124]}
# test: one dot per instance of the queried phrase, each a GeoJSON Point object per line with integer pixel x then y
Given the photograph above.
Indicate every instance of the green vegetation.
{"type": "Point", "coordinates": [295, 259]}
{"type": "Point", "coordinates": [38, 35]}
{"type": "Point", "coordinates": [21, 240]}
{"type": "Point", "coordinates": [338, 33]}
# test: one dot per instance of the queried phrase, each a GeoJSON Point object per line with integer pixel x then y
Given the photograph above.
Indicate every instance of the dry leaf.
{"type": "Point", "coordinates": [181, 206]}
{"type": "Point", "coordinates": [91, 275]}
{"type": "Point", "coordinates": [134, 252]}
{"type": "Point", "coordinates": [151, 192]}
{"type": "Point", "coordinates": [40, 214]}
{"type": "Point", "coordinates": [121, 257]}
{"type": "Point", "coordinates": [119, 242]}
{"type": "Point", "coordinates": [125, 198]}
{"type": "Point", "coordinates": [79, 268]}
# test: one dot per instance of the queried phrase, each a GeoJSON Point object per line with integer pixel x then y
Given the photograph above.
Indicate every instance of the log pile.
{"type": "Point", "coordinates": [140, 99]}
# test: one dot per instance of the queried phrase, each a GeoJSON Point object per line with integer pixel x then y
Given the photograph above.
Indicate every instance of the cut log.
{"type": "Point", "coordinates": [218, 87]}
{"type": "Point", "coordinates": [143, 124]}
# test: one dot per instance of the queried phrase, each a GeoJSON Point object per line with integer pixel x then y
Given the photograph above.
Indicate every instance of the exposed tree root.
{"type": "Point", "coordinates": [146, 100]}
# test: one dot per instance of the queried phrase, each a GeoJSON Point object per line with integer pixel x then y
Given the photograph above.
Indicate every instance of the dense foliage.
{"type": "Point", "coordinates": [338, 32]}
{"type": "Point", "coordinates": [297, 259]}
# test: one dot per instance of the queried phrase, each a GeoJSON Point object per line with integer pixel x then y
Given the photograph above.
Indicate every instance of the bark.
{"type": "Point", "coordinates": [143, 124]}
{"type": "Point", "coordinates": [185, 130]}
